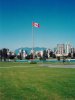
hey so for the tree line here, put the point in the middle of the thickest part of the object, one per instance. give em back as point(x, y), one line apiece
point(7, 55)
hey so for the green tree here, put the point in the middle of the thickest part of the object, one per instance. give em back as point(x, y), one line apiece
point(4, 54)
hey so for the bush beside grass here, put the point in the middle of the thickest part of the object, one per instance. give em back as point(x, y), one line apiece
point(33, 62)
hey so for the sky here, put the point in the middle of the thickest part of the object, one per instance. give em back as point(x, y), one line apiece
point(56, 19)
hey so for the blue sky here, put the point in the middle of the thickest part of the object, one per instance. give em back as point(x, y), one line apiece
point(56, 19)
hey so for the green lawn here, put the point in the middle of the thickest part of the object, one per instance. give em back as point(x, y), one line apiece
point(21, 81)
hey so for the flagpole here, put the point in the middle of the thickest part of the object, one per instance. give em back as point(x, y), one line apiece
point(33, 25)
point(32, 40)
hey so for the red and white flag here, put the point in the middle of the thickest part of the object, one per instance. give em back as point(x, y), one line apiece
point(35, 24)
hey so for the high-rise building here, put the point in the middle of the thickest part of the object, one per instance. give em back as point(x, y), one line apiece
point(63, 49)
point(72, 50)
point(68, 48)
point(60, 49)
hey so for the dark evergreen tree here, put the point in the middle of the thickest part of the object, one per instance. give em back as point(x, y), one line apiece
point(51, 54)
point(58, 58)
point(0, 55)
point(69, 54)
point(74, 55)
point(45, 56)
point(4, 54)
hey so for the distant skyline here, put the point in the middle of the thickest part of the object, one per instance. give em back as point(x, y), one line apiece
point(56, 19)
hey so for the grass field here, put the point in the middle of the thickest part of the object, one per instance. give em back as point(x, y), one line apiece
point(21, 81)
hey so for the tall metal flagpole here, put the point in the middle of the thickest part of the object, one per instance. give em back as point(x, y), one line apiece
point(32, 40)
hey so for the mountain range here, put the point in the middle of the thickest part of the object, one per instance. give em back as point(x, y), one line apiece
point(27, 49)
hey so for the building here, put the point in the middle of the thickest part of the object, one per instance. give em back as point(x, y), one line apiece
point(68, 49)
point(64, 49)
point(60, 49)
point(72, 50)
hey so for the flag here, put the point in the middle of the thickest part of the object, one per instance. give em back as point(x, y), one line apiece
point(35, 24)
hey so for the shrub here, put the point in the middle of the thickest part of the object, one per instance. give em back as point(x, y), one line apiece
point(33, 62)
